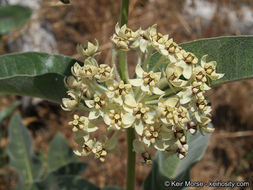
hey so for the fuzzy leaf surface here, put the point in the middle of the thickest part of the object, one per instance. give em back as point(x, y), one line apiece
point(21, 154)
point(35, 74)
point(13, 16)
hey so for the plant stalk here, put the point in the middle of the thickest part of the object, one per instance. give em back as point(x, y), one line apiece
point(130, 177)
point(122, 55)
point(130, 181)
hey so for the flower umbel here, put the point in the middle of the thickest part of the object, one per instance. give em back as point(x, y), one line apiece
point(163, 106)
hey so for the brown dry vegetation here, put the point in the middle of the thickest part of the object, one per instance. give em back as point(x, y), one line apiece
point(229, 155)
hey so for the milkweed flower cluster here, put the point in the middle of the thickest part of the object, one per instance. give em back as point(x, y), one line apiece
point(162, 105)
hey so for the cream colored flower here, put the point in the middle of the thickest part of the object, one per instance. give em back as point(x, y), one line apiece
point(147, 81)
point(201, 103)
point(72, 83)
point(139, 116)
point(158, 40)
point(97, 106)
point(173, 49)
point(99, 151)
point(182, 146)
point(121, 89)
point(140, 43)
point(69, 104)
point(78, 86)
point(88, 50)
point(172, 113)
point(191, 127)
point(85, 149)
point(82, 123)
point(204, 124)
point(120, 43)
point(188, 60)
point(173, 73)
point(114, 120)
point(210, 68)
point(105, 73)
point(89, 70)
point(129, 103)
point(190, 93)
point(118, 91)
point(161, 120)
point(157, 135)
point(168, 111)
point(75, 70)
point(182, 150)
point(123, 36)
point(125, 32)
point(199, 74)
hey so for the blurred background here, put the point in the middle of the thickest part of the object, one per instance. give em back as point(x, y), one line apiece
point(58, 28)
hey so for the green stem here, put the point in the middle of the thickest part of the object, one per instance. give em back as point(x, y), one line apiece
point(122, 55)
point(147, 57)
point(124, 12)
point(114, 58)
point(123, 66)
point(152, 102)
point(160, 62)
point(172, 90)
point(130, 181)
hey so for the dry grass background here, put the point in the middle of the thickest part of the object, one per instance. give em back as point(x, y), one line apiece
point(229, 155)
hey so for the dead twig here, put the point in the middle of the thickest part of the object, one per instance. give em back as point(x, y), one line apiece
point(224, 134)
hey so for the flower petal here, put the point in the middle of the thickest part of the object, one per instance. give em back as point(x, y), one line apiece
point(139, 127)
point(92, 129)
point(164, 120)
point(117, 28)
point(118, 100)
point(128, 119)
point(135, 82)
point(146, 141)
point(187, 71)
point(130, 101)
point(185, 100)
point(203, 60)
point(197, 116)
point(171, 102)
point(145, 88)
point(150, 119)
point(172, 59)
point(139, 71)
point(139, 147)
point(157, 91)
point(143, 45)
point(159, 145)
point(94, 114)
point(107, 119)
point(89, 103)
point(164, 51)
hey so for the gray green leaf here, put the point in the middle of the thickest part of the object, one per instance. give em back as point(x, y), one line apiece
point(112, 188)
point(74, 168)
point(13, 16)
point(65, 183)
point(59, 153)
point(20, 152)
point(35, 74)
point(233, 56)
point(7, 112)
